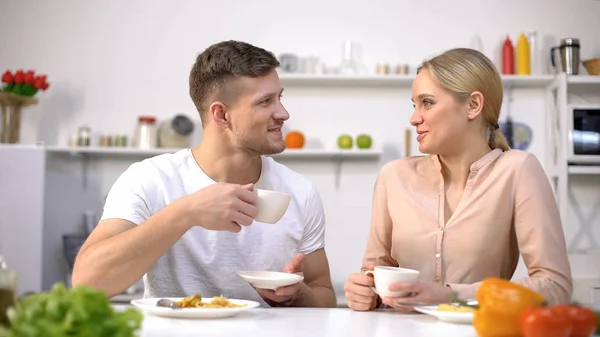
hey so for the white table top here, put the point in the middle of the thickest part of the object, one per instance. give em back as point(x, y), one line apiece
point(313, 322)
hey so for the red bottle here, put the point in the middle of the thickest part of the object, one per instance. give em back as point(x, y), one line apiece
point(508, 57)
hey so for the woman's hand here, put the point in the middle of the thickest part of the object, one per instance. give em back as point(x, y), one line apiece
point(423, 293)
point(359, 294)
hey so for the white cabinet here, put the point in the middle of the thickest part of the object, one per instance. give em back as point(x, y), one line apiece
point(563, 92)
point(22, 175)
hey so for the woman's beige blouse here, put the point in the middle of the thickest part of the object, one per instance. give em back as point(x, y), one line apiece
point(507, 206)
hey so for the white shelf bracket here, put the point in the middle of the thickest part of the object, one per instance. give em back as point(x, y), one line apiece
point(85, 170)
point(337, 173)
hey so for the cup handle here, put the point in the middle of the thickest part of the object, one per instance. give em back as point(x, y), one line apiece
point(370, 272)
point(552, 56)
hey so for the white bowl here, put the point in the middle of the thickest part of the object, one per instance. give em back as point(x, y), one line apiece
point(269, 279)
point(271, 205)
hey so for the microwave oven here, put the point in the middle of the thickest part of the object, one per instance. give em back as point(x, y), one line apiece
point(583, 129)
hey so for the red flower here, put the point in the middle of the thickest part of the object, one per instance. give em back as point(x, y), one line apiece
point(24, 83)
point(28, 78)
point(19, 77)
point(7, 77)
point(38, 82)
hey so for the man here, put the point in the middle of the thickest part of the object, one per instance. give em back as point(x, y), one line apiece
point(184, 221)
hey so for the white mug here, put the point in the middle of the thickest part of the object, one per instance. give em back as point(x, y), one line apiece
point(384, 276)
point(271, 205)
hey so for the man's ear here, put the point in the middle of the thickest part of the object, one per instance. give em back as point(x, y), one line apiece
point(475, 104)
point(218, 113)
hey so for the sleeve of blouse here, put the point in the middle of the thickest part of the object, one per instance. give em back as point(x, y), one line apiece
point(379, 242)
point(540, 238)
point(540, 235)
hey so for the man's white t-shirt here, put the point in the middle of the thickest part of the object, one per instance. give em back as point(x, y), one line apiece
point(204, 261)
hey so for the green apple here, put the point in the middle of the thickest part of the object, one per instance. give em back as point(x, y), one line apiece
point(345, 142)
point(364, 141)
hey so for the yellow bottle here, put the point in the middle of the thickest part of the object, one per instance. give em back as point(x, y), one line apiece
point(523, 61)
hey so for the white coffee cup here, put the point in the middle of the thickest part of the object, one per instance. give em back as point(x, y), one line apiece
point(384, 276)
point(271, 205)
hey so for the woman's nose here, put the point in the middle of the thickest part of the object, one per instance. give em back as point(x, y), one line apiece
point(415, 119)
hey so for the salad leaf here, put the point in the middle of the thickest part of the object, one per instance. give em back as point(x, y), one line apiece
point(77, 312)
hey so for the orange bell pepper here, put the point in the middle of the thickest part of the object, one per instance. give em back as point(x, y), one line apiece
point(500, 305)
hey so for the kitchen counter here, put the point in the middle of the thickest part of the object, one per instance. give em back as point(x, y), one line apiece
point(313, 322)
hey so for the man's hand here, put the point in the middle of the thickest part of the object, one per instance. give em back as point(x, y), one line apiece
point(285, 296)
point(221, 207)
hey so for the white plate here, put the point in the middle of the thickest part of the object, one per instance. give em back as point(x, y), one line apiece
point(149, 305)
point(270, 279)
point(447, 316)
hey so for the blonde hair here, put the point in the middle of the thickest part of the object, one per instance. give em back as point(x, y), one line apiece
point(462, 71)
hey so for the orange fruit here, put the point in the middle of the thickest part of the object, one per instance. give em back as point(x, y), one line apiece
point(294, 140)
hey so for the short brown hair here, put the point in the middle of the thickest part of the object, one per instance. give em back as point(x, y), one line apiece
point(223, 62)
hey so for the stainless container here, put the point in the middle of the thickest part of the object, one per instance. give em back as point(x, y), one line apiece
point(569, 55)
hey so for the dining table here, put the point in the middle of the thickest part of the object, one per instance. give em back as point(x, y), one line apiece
point(313, 322)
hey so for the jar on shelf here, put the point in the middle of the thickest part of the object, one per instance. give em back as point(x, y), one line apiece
point(145, 133)
point(176, 132)
point(8, 290)
point(351, 60)
point(84, 136)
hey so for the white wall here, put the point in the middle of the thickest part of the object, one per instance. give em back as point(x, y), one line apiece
point(109, 61)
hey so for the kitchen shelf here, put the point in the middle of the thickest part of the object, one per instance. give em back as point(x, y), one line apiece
point(372, 153)
point(347, 80)
point(308, 153)
point(584, 169)
point(583, 79)
point(338, 156)
point(529, 81)
point(514, 81)
point(109, 151)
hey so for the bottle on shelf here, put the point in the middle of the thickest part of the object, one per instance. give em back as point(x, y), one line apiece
point(508, 57)
point(146, 133)
point(351, 60)
point(523, 56)
point(536, 66)
point(476, 43)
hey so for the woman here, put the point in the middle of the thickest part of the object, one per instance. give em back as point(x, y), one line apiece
point(466, 210)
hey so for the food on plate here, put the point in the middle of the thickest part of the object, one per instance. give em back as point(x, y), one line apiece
point(80, 311)
point(501, 303)
point(217, 302)
point(454, 308)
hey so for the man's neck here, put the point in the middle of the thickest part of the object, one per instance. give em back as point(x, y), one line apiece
point(225, 164)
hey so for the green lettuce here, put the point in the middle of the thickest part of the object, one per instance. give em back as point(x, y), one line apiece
point(78, 312)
